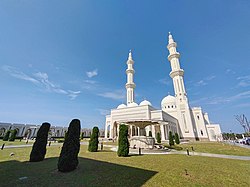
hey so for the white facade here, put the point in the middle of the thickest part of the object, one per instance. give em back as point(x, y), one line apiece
point(175, 114)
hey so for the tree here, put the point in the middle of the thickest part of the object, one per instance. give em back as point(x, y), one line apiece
point(6, 136)
point(176, 138)
point(170, 138)
point(93, 142)
point(12, 135)
point(65, 134)
point(242, 119)
point(82, 135)
point(150, 133)
point(68, 160)
point(38, 151)
point(123, 144)
point(158, 137)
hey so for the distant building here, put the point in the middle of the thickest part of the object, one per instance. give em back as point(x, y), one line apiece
point(175, 114)
point(29, 131)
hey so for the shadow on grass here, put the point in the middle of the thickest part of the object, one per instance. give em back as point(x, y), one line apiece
point(89, 173)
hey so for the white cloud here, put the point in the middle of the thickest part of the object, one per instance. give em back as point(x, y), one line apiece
point(244, 81)
point(93, 73)
point(204, 81)
point(73, 94)
point(229, 71)
point(222, 100)
point(103, 112)
point(40, 79)
point(115, 95)
point(18, 74)
point(90, 81)
point(201, 83)
point(210, 77)
point(165, 81)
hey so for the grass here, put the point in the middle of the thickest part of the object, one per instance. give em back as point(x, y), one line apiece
point(16, 142)
point(217, 148)
point(106, 169)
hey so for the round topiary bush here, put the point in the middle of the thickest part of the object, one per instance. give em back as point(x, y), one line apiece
point(39, 147)
point(158, 137)
point(123, 144)
point(170, 138)
point(68, 160)
point(12, 135)
point(176, 138)
point(93, 142)
point(6, 136)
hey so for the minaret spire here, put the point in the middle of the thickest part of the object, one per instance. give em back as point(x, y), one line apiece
point(130, 85)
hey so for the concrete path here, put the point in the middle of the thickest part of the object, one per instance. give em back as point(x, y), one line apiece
point(168, 152)
point(237, 144)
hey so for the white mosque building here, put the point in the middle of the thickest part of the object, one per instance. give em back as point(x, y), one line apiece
point(175, 114)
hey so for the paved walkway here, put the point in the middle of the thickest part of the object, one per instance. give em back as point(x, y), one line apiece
point(169, 152)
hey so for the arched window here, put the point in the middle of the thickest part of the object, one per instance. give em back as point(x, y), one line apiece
point(198, 117)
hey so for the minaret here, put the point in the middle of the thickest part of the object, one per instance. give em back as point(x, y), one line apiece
point(177, 73)
point(183, 109)
point(130, 85)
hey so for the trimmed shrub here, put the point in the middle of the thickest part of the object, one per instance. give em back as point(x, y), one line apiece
point(39, 147)
point(123, 144)
point(170, 138)
point(6, 136)
point(176, 138)
point(65, 135)
point(82, 135)
point(158, 137)
point(68, 160)
point(93, 142)
point(150, 133)
point(12, 135)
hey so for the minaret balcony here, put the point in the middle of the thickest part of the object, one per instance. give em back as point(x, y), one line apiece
point(175, 55)
point(171, 45)
point(179, 72)
point(130, 61)
point(130, 85)
point(130, 71)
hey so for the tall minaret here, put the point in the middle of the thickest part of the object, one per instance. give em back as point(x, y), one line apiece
point(183, 109)
point(177, 73)
point(130, 85)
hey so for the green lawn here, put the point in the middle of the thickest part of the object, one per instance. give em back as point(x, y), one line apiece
point(217, 148)
point(106, 169)
point(16, 142)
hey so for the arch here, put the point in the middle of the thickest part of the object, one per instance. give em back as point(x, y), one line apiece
point(115, 130)
point(27, 134)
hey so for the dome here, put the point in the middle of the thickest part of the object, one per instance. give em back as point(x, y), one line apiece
point(121, 106)
point(145, 102)
point(168, 99)
point(132, 104)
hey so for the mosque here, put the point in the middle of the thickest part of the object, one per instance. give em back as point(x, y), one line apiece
point(192, 124)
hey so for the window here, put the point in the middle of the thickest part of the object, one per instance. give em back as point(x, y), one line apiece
point(198, 117)
point(201, 132)
point(168, 106)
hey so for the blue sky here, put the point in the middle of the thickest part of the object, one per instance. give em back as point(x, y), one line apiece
point(67, 59)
